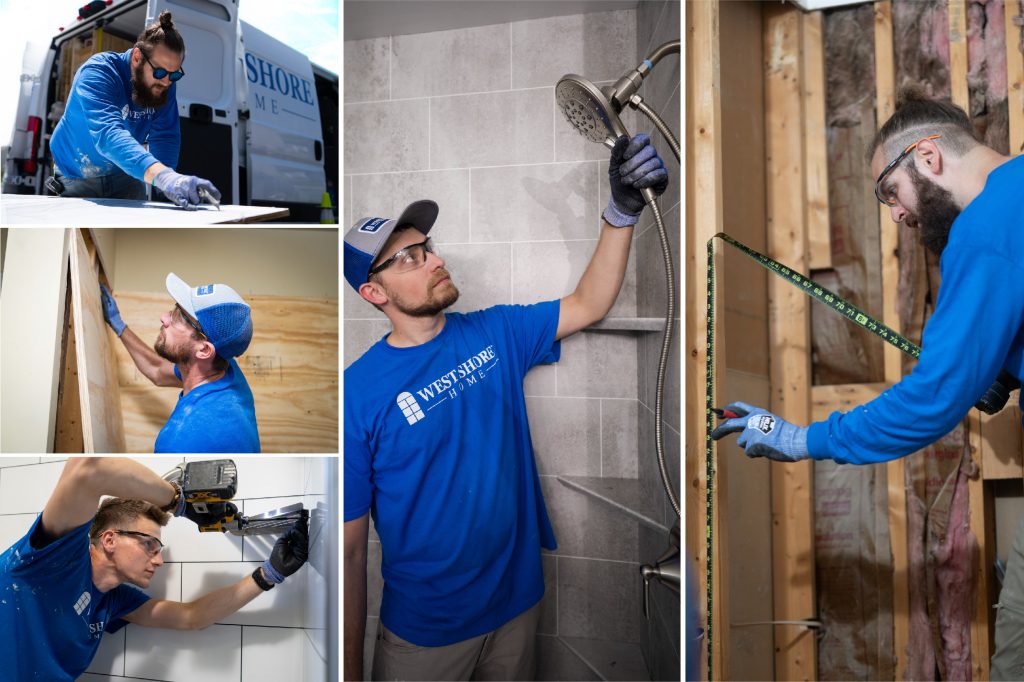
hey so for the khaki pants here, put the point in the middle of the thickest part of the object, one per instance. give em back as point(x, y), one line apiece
point(1008, 660)
point(508, 653)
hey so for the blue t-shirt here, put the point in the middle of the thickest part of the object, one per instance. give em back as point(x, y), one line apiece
point(976, 331)
point(437, 449)
point(216, 417)
point(103, 129)
point(51, 614)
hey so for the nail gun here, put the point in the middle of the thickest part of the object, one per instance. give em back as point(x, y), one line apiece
point(208, 488)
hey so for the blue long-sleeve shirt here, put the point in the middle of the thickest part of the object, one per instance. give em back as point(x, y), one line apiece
point(977, 330)
point(103, 129)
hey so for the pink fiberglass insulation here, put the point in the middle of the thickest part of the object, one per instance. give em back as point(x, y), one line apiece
point(920, 653)
point(953, 553)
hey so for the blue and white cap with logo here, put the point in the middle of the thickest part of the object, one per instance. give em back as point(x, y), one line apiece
point(222, 314)
point(367, 237)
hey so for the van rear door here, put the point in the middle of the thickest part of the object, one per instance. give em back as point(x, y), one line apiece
point(207, 95)
point(284, 146)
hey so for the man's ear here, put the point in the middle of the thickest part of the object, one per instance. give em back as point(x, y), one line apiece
point(136, 57)
point(107, 541)
point(374, 293)
point(206, 351)
point(929, 157)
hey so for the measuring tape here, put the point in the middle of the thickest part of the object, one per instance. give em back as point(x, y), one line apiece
point(818, 293)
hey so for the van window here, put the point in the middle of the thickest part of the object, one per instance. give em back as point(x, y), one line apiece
point(204, 54)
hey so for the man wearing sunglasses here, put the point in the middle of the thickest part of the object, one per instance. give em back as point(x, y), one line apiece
point(437, 444)
point(967, 200)
point(74, 575)
point(119, 131)
point(195, 350)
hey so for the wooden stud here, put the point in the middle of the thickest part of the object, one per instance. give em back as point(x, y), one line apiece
point(815, 144)
point(102, 426)
point(67, 437)
point(789, 332)
point(703, 220)
point(885, 98)
point(841, 397)
point(1014, 77)
point(957, 13)
point(1002, 443)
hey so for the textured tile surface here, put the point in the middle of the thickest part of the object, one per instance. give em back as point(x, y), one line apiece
point(566, 435)
point(599, 599)
point(598, 365)
point(530, 203)
point(587, 528)
point(598, 46)
point(482, 273)
point(386, 136)
point(366, 69)
point(619, 438)
point(451, 62)
point(177, 655)
point(491, 129)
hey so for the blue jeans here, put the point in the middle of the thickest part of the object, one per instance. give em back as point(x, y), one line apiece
point(117, 185)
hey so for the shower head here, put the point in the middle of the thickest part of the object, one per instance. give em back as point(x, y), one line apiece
point(588, 109)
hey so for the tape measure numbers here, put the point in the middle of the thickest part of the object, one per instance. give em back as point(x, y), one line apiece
point(818, 293)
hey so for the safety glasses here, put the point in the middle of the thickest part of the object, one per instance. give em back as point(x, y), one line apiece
point(409, 258)
point(160, 72)
point(151, 545)
point(180, 314)
point(888, 197)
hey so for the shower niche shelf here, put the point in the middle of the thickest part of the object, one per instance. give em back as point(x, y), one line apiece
point(622, 494)
point(629, 324)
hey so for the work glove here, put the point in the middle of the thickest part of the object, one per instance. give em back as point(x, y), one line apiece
point(183, 190)
point(290, 552)
point(762, 434)
point(110, 312)
point(634, 165)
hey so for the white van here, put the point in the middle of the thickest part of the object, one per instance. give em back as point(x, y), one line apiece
point(258, 119)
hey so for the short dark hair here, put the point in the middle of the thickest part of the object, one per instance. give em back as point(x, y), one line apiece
point(918, 116)
point(160, 32)
point(117, 511)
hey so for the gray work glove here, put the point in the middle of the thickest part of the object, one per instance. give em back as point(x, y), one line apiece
point(634, 165)
point(183, 190)
point(110, 312)
point(290, 552)
point(762, 434)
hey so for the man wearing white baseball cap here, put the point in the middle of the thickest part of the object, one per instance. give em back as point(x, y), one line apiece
point(200, 337)
point(438, 450)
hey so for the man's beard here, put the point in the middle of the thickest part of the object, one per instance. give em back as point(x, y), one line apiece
point(179, 356)
point(143, 96)
point(936, 211)
point(435, 303)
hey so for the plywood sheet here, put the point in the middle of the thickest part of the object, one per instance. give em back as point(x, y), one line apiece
point(291, 367)
point(102, 427)
point(20, 209)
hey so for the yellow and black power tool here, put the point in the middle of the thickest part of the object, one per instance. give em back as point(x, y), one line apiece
point(208, 488)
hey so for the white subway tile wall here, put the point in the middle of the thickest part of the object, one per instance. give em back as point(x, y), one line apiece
point(280, 635)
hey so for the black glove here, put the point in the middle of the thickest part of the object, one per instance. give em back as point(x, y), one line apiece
point(634, 165)
point(290, 552)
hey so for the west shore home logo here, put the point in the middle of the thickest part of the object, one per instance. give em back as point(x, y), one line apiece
point(449, 385)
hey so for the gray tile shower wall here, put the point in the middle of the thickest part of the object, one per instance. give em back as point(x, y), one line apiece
point(467, 117)
point(656, 23)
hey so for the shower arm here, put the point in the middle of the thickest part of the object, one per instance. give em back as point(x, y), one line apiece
point(629, 84)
